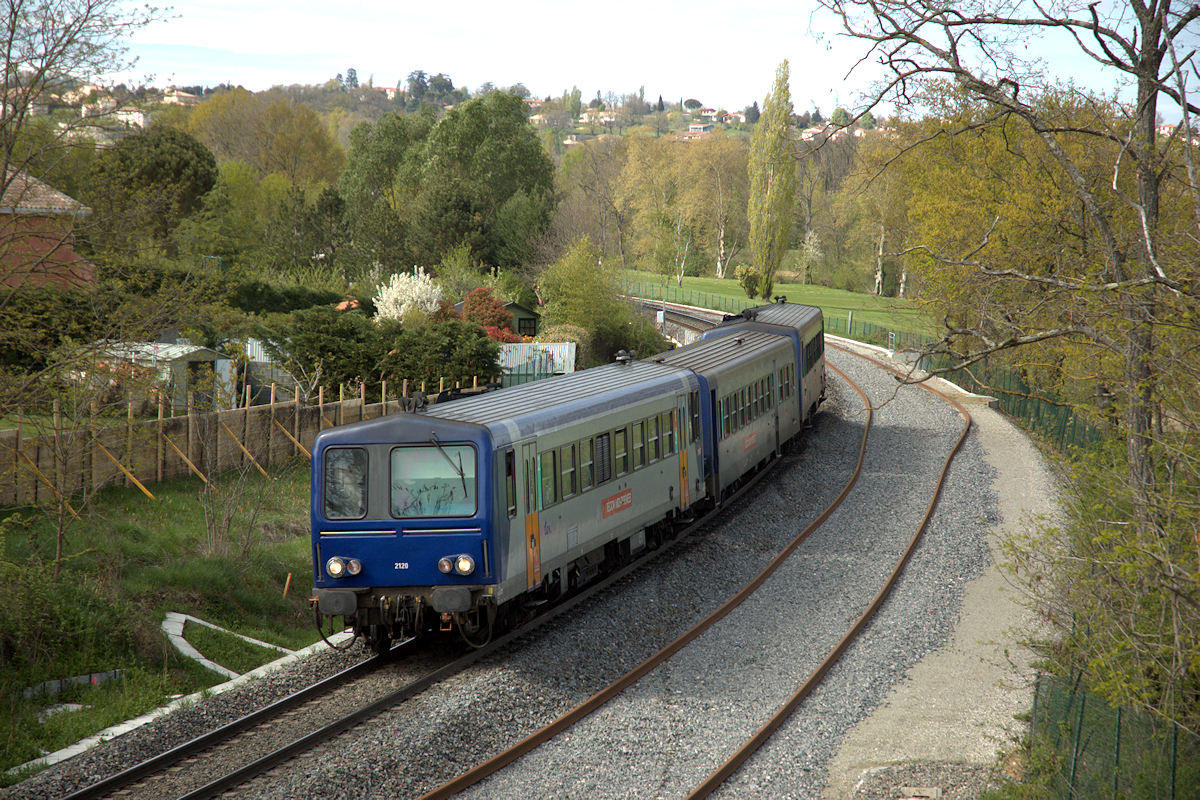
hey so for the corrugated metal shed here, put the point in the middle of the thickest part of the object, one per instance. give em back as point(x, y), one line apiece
point(514, 357)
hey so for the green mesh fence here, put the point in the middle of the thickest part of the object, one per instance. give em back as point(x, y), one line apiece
point(1055, 421)
point(1102, 752)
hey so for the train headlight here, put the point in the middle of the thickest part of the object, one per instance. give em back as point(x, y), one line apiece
point(353, 567)
point(335, 567)
point(446, 565)
point(464, 565)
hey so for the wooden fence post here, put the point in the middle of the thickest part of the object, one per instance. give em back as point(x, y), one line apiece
point(129, 435)
point(320, 408)
point(191, 426)
point(296, 418)
point(404, 389)
point(441, 385)
point(159, 453)
point(341, 415)
point(383, 395)
point(271, 429)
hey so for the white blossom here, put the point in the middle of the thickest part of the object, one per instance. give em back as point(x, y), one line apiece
point(407, 291)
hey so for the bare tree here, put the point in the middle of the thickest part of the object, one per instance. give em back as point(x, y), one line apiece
point(1124, 296)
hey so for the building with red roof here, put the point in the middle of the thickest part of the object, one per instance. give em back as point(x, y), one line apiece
point(37, 226)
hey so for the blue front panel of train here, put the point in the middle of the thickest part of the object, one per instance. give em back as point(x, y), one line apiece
point(399, 494)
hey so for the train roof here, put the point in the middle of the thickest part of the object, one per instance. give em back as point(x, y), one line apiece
point(793, 315)
point(711, 357)
point(511, 413)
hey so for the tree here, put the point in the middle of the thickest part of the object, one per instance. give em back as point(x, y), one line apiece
point(579, 290)
point(144, 186)
point(591, 176)
point(772, 168)
point(692, 104)
point(840, 118)
point(377, 183)
point(406, 292)
point(752, 112)
point(1119, 285)
point(718, 187)
point(351, 78)
point(475, 160)
point(486, 310)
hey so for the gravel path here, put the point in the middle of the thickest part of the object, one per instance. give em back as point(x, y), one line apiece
point(665, 735)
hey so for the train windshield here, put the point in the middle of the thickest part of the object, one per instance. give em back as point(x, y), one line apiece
point(345, 483)
point(434, 480)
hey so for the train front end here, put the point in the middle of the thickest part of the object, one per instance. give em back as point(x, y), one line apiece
point(402, 516)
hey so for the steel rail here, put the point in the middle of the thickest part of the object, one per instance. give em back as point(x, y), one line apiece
point(299, 746)
point(205, 741)
point(599, 699)
point(751, 745)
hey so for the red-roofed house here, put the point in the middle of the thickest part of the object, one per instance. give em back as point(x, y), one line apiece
point(36, 236)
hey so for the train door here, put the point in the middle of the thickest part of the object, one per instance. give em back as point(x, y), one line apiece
point(682, 438)
point(533, 543)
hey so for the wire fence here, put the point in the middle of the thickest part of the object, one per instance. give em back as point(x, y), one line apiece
point(1103, 752)
point(1058, 422)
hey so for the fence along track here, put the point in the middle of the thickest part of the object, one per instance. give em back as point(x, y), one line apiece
point(81, 456)
point(598, 700)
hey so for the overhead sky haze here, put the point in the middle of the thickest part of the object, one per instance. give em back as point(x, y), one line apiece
point(720, 53)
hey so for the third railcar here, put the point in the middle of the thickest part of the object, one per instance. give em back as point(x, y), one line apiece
point(449, 517)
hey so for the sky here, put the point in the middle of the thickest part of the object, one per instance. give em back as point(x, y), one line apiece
point(723, 54)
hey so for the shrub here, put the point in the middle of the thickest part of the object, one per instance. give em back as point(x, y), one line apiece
point(405, 292)
point(483, 307)
point(748, 278)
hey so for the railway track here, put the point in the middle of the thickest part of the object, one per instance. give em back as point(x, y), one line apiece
point(185, 760)
point(176, 773)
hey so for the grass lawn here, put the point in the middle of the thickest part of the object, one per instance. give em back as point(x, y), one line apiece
point(224, 558)
point(725, 294)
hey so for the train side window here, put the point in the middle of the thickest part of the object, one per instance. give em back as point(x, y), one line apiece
point(770, 391)
point(743, 405)
point(587, 465)
point(566, 460)
point(639, 444)
point(723, 415)
point(668, 433)
point(510, 482)
point(652, 442)
point(620, 451)
point(603, 458)
point(547, 480)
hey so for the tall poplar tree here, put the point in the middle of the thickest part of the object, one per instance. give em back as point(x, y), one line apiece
point(772, 182)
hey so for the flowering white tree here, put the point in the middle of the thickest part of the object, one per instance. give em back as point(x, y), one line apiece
point(405, 292)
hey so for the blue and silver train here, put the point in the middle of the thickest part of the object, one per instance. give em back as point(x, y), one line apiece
point(468, 513)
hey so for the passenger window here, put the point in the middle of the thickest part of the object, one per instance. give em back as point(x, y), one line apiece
point(744, 406)
point(547, 480)
point(620, 451)
point(567, 460)
point(770, 392)
point(603, 458)
point(652, 453)
point(510, 482)
point(587, 467)
point(639, 445)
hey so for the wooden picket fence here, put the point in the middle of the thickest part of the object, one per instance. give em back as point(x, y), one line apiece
point(57, 461)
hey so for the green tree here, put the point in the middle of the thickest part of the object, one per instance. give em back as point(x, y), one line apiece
point(772, 168)
point(840, 118)
point(579, 290)
point(143, 187)
point(752, 113)
point(376, 185)
point(478, 157)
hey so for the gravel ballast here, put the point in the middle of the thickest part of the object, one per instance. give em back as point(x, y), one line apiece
point(665, 735)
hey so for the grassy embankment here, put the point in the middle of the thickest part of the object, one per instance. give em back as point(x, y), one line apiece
point(724, 293)
point(129, 561)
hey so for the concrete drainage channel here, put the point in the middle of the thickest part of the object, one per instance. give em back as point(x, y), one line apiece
point(173, 626)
